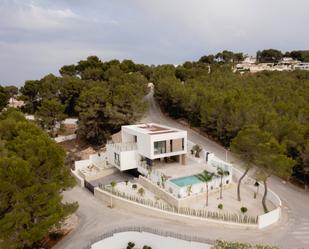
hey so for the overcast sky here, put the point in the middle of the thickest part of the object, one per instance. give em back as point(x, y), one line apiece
point(37, 37)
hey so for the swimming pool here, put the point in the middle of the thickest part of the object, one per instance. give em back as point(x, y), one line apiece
point(185, 181)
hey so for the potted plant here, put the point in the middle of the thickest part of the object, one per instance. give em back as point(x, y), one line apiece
point(197, 150)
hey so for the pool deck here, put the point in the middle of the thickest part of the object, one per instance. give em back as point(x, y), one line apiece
point(176, 170)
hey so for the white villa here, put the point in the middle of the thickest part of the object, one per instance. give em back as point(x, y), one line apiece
point(159, 153)
point(147, 142)
point(153, 165)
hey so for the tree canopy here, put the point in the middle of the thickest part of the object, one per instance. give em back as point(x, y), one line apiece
point(224, 103)
point(103, 95)
point(269, 55)
point(31, 178)
point(4, 97)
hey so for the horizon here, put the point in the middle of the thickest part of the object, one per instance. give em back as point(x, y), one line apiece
point(39, 37)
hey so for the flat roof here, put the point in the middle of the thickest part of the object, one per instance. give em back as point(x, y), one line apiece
point(153, 128)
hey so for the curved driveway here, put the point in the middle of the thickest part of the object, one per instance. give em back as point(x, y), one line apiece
point(95, 218)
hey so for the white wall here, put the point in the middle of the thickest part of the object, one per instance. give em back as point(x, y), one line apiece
point(270, 218)
point(120, 240)
point(128, 159)
point(165, 137)
point(61, 139)
point(145, 141)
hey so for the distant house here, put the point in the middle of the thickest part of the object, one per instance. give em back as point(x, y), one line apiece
point(285, 64)
point(70, 123)
point(15, 103)
point(30, 117)
point(302, 66)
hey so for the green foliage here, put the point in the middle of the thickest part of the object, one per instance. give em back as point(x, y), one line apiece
point(243, 210)
point(134, 186)
point(104, 95)
point(219, 244)
point(130, 245)
point(147, 247)
point(301, 55)
point(223, 104)
point(31, 178)
point(196, 149)
point(50, 112)
point(269, 55)
point(11, 90)
point(141, 191)
point(113, 184)
point(189, 190)
point(205, 177)
point(4, 97)
point(220, 206)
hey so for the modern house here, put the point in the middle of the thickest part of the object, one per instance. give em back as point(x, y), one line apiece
point(147, 143)
point(302, 66)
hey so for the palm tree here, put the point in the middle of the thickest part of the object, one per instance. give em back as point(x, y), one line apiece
point(113, 185)
point(189, 190)
point(221, 173)
point(206, 177)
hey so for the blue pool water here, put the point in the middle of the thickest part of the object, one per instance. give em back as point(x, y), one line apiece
point(185, 181)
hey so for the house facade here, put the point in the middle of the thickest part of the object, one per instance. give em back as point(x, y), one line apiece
point(147, 142)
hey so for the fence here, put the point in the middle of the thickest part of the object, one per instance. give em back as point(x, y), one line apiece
point(163, 233)
point(200, 213)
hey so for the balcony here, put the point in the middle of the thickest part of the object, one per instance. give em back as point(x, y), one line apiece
point(120, 147)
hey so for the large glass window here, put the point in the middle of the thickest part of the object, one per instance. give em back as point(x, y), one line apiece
point(117, 159)
point(159, 147)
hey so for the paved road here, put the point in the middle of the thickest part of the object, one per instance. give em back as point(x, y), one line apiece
point(95, 218)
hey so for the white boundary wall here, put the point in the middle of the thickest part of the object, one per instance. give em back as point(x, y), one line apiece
point(116, 200)
point(61, 139)
point(120, 240)
point(271, 217)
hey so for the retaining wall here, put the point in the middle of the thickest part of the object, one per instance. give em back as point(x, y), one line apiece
point(163, 194)
point(118, 201)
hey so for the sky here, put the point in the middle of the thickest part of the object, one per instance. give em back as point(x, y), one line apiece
point(37, 37)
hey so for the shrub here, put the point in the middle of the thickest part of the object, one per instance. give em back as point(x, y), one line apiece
point(141, 191)
point(113, 184)
point(243, 210)
point(220, 206)
point(197, 149)
point(55, 235)
point(146, 247)
point(130, 245)
point(134, 186)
